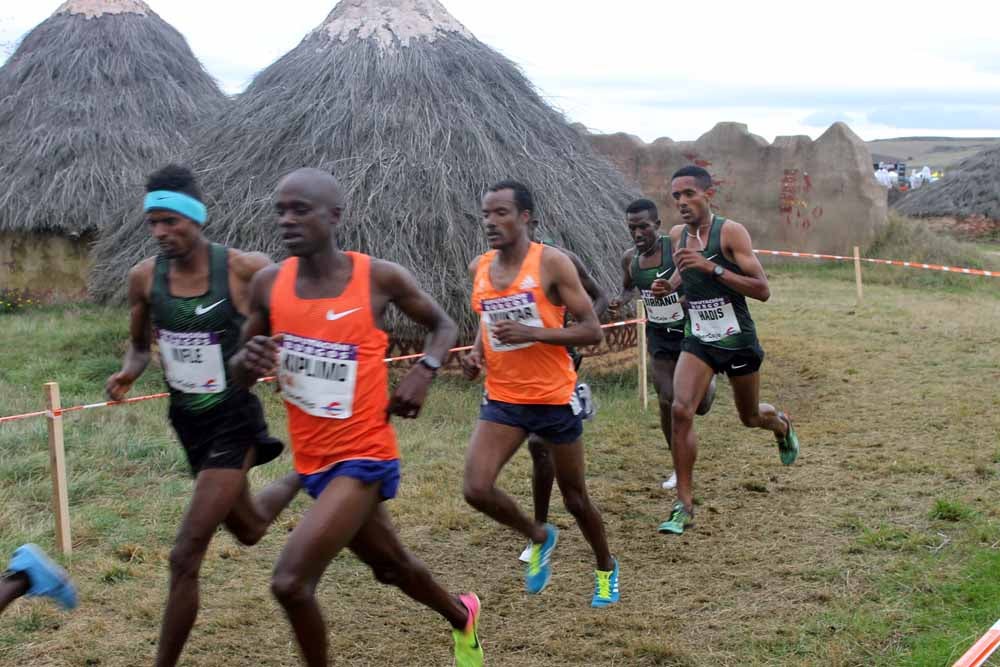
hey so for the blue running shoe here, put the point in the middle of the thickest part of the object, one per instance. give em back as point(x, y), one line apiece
point(536, 576)
point(605, 587)
point(46, 578)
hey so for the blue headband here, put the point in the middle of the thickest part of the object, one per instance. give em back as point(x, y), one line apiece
point(178, 202)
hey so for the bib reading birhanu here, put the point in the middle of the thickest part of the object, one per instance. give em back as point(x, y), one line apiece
point(663, 310)
point(318, 377)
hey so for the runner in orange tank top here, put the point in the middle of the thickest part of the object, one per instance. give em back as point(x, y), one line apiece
point(521, 291)
point(316, 321)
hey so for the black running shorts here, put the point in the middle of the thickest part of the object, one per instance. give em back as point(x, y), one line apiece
point(221, 436)
point(664, 343)
point(734, 363)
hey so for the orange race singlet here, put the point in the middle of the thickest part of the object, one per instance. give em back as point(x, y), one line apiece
point(332, 371)
point(524, 373)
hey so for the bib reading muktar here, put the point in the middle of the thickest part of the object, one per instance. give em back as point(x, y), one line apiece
point(196, 335)
point(332, 372)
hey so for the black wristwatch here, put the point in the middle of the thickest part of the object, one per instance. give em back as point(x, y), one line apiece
point(718, 271)
point(433, 364)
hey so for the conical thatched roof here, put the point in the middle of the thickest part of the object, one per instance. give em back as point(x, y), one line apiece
point(970, 188)
point(96, 96)
point(416, 117)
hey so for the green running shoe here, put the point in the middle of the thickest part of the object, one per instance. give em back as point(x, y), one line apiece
point(788, 447)
point(468, 650)
point(679, 519)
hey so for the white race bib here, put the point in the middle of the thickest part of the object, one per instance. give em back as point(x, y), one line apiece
point(713, 319)
point(518, 307)
point(318, 377)
point(663, 310)
point(192, 361)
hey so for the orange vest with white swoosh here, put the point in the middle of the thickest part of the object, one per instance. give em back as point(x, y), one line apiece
point(332, 371)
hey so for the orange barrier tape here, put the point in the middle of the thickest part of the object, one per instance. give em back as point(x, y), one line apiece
point(982, 649)
point(137, 399)
point(891, 262)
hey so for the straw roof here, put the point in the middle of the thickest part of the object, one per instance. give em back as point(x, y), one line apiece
point(416, 118)
point(971, 188)
point(95, 96)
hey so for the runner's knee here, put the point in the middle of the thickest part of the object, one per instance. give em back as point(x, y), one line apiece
point(247, 536)
point(682, 412)
point(290, 589)
point(477, 493)
point(539, 451)
point(576, 502)
point(186, 557)
point(397, 572)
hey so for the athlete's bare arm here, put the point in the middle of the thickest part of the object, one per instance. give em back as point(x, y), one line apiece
point(393, 283)
point(137, 354)
point(562, 285)
point(737, 248)
point(258, 355)
point(472, 362)
point(628, 287)
point(596, 294)
point(242, 267)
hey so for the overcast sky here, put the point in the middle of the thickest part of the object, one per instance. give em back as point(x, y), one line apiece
point(662, 68)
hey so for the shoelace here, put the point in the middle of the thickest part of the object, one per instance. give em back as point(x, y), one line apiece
point(603, 584)
point(535, 563)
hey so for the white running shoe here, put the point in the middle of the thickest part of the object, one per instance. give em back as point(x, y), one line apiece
point(525, 556)
point(672, 482)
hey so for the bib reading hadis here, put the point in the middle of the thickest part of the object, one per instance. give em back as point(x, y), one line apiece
point(192, 361)
point(713, 320)
point(318, 377)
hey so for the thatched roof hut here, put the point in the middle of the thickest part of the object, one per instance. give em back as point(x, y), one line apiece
point(971, 188)
point(416, 117)
point(95, 96)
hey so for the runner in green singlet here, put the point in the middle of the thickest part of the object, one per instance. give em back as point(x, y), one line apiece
point(718, 272)
point(193, 297)
point(648, 261)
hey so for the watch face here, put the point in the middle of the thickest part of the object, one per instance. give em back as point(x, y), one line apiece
point(718, 270)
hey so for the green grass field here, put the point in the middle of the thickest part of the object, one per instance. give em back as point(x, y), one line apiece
point(881, 546)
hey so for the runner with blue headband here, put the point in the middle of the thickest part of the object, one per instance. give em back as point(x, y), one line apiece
point(194, 297)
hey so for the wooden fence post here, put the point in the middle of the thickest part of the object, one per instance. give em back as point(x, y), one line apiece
point(857, 273)
point(640, 328)
point(57, 462)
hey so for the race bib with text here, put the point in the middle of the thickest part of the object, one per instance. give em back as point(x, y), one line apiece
point(318, 377)
point(663, 310)
point(713, 320)
point(192, 361)
point(517, 307)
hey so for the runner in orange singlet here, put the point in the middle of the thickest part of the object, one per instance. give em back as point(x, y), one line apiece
point(316, 320)
point(522, 291)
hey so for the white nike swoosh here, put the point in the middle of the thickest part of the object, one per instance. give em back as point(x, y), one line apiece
point(201, 310)
point(330, 315)
point(736, 368)
point(712, 257)
point(660, 275)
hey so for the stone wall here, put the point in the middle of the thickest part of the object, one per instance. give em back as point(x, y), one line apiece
point(51, 266)
point(794, 194)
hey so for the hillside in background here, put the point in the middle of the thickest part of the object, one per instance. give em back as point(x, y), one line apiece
point(935, 152)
